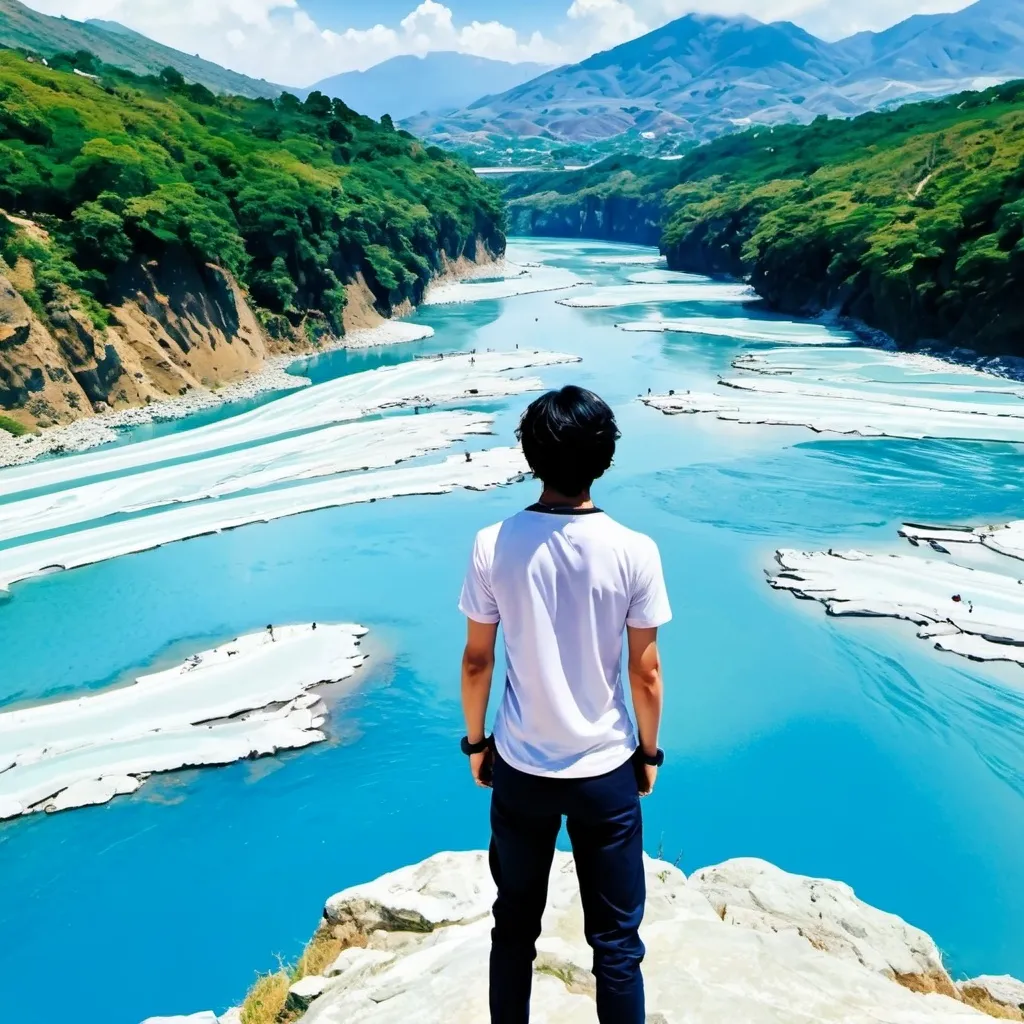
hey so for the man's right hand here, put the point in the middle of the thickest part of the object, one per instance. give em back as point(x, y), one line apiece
point(646, 776)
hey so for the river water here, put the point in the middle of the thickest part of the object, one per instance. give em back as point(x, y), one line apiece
point(839, 748)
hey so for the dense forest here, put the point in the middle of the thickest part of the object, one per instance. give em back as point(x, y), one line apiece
point(293, 198)
point(911, 220)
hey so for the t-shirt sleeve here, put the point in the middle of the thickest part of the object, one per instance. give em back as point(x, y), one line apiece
point(477, 600)
point(649, 606)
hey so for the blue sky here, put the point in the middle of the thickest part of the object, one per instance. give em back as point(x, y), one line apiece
point(299, 42)
point(524, 15)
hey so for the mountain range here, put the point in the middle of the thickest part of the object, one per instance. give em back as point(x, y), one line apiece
point(702, 75)
point(26, 29)
point(438, 82)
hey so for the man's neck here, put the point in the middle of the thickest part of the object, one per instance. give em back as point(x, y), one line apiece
point(553, 499)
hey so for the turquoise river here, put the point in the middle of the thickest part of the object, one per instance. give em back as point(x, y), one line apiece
point(835, 747)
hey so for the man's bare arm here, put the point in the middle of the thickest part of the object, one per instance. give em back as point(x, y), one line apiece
point(648, 692)
point(477, 672)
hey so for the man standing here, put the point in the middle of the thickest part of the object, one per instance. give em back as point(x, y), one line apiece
point(565, 581)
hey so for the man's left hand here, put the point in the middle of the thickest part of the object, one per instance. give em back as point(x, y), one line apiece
point(482, 767)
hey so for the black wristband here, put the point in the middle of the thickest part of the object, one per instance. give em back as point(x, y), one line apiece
point(475, 748)
point(655, 762)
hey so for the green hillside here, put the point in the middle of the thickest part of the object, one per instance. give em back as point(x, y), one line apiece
point(294, 198)
point(912, 220)
point(23, 28)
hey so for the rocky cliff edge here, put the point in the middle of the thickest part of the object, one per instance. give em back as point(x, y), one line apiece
point(742, 941)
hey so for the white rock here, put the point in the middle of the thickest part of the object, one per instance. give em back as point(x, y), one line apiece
point(448, 888)
point(232, 1016)
point(216, 707)
point(305, 990)
point(1000, 988)
point(699, 969)
point(758, 895)
point(490, 468)
point(358, 959)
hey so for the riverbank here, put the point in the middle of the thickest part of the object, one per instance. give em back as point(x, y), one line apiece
point(743, 940)
point(272, 376)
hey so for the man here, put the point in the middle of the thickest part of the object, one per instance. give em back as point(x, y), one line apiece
point(565, 581)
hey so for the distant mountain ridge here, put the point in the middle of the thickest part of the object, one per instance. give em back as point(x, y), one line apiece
point(440, 81)
point(703, 75)
point(23, 28)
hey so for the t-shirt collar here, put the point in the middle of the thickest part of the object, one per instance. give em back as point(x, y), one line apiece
point(562, 510)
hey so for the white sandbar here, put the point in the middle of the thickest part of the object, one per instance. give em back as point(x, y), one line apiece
point(640, 294)
point(417, 382)
point(487, 469)
point(909, 372)
point(667, 277)
point(968, 611)
point(1005, 538)
point(521, 281)
point(390, 332)
point(342, 448)
point(776, 402)
point(776, 331)
point(652, 260)
point(243, 699)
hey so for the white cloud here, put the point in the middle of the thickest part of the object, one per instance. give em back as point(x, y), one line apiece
point(829, 19)
point(278, 40)
point(608, 22)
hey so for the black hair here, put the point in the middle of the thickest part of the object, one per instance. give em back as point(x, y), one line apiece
point(568, 438)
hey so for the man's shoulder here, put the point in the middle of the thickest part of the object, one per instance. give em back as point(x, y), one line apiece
point(487, 537)
point(632, 541)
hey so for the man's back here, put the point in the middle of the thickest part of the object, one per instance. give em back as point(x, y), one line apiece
point(564, 584)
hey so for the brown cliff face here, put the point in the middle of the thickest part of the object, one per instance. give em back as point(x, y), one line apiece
point(174, 326)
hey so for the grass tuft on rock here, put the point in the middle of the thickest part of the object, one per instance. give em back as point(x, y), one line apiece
point(12, 426)
point(981, 1000)
point(267, 1001)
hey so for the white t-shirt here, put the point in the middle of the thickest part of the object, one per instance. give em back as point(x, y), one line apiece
point(564, 586)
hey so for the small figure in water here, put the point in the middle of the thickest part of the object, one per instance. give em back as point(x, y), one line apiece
point(314, 627)
point(956, 598)
point(517, 344)
point(469, 458)
point(671, 392)
point(648, 391)
point(472, 360)
point(270, 630)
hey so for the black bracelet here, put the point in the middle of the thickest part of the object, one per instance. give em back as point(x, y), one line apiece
point(475, 748)
point(655, 762)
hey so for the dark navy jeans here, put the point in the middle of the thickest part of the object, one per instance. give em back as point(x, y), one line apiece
point(603, 821)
